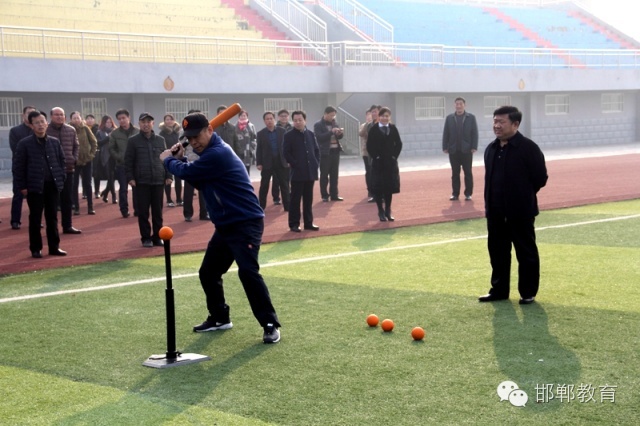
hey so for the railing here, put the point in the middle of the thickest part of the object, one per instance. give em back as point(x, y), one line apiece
point(296, 18)
point(82, 45)
point(361, 20)
point(351, 125)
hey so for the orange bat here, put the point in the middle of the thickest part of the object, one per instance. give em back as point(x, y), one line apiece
point(219, 119)
point(225, 115)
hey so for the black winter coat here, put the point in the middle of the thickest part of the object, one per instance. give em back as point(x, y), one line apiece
point(32, 160)
point(525, 173)
point(384, 151)
point(302, 153)
point(142, 160)
point(264, 154)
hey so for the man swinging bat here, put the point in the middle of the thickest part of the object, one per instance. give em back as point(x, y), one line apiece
point(239, 223)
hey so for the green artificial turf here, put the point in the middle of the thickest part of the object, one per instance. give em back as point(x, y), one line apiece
point(76, 358)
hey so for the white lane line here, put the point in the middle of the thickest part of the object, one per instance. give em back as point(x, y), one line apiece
point(304, 260)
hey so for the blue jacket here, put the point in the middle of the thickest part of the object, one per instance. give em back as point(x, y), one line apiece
point(302, 153)
point(30, 164)
point(223, 179)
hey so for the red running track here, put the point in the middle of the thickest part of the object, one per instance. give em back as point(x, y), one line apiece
point(423, 199)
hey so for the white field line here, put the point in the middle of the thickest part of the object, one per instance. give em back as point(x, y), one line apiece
point(304, 260)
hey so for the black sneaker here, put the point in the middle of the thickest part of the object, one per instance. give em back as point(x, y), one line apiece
point(210, 325)
point(271, 334)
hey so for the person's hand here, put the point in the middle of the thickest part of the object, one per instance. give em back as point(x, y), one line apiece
point(473, 151)
point(168, 181)
point(446, 151)
point(132, 183)
point(165, 154)
point(259, 167)
point(24, 192)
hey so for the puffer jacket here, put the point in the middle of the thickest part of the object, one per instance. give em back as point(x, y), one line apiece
point(118, 143)
point(68, 138)
point(171, 135)
point(30, 164)
point(88, 145)
point(142, 160)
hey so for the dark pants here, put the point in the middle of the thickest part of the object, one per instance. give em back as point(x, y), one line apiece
point(167, 190)
point(367, 174)
point(329, 166)
point(85, 173)
point(149, 197)
point(385, 198)
point(521, 232)
point(47, 202)
point(275, 187)
point(66, 202)
point(123, 191)
point(462, 160)
point(111, 186)
point(188, 202)
point(16, 205)
point(280, 177)
point(301, 190)
point(239, 242)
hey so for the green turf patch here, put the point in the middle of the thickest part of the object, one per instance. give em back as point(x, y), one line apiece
point(77, 358)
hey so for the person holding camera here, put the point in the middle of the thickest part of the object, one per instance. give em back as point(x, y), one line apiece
point(328, 135)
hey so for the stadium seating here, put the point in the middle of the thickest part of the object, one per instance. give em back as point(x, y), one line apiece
point(456, 24)
point(132, 24)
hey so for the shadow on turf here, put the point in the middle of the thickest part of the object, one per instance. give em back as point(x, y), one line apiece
point(376, 238)
point(528, 354)
point(169, 392)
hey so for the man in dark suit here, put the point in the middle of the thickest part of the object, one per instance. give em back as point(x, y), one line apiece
point(303, 155)
point(39, 173)
point(515, 171)
point(16, 134)
point(270, 160)
point(460, 141)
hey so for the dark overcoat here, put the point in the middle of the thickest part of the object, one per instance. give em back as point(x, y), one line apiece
point(384, 151)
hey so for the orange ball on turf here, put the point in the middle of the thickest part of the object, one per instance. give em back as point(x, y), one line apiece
point(387, 325)
point(165, 233)
point(417, 333)
point(372, 320)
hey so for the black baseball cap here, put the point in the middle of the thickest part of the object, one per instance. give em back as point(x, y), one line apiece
point(144, 116)
point(193, 124)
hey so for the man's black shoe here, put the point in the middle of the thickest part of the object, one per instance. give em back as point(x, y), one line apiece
point(454, 198)
point(271, 334)
point(91, 212)
point(57, 252)
point(125, 215)
point(312, 227)
point(294, 229)
point(276, 202)
point(36, 254)
point(158, 243)
point(188, 219)
point(71, 230)
point(76, 212)
point(527, 301)
point(15, 225)
point(491, 298)
point(371, 200)
point(337, 199)
point(210, 325)
point(325, 199)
